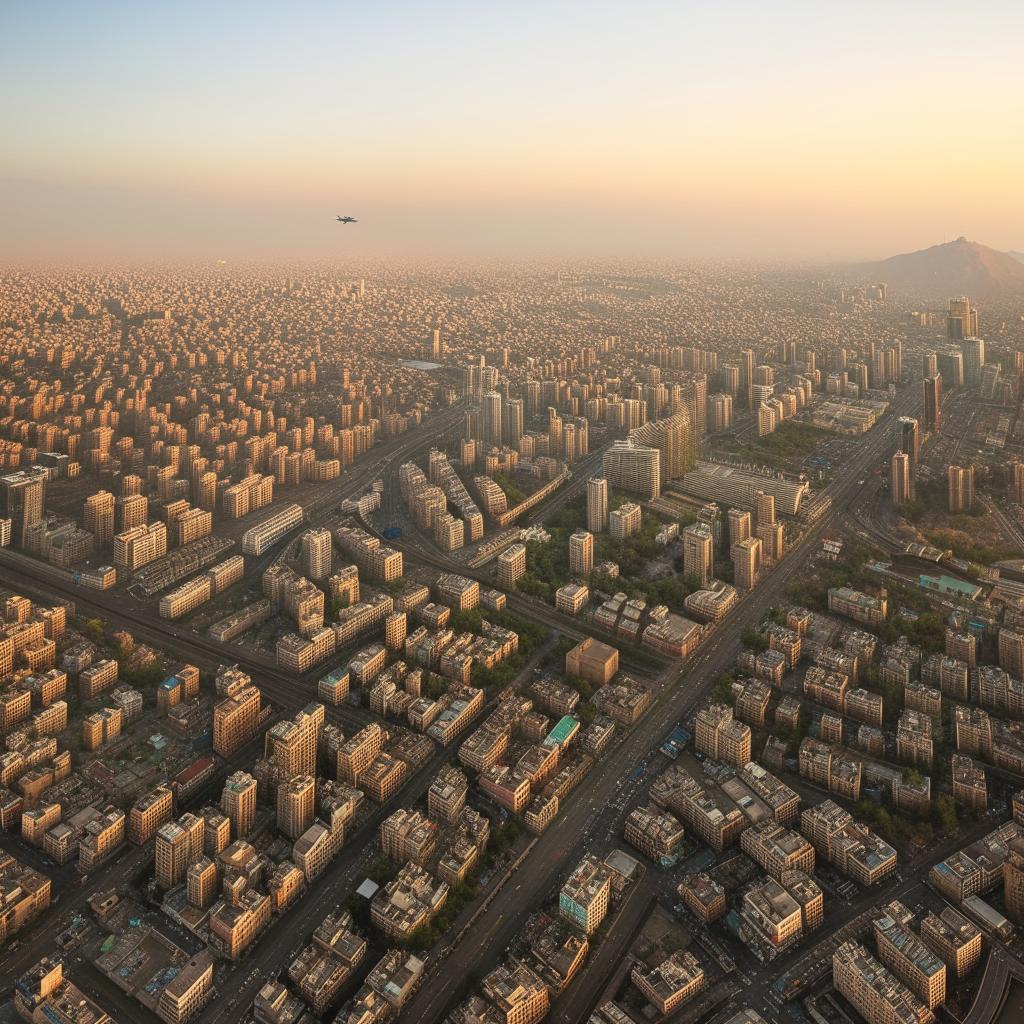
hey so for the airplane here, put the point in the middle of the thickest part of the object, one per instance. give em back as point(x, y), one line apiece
point(347, 220)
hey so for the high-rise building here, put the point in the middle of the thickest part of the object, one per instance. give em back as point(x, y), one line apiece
point(901, 484)
point(721, 411)
point(747, 375)
point(204, 491)
point(22, 500)
point(201, 883)
point(396, 628)
point(951, 367)
point(148, 813)
point(698, 553)
point(746, 561)
point(633, 468)
point(961, 319)
point(512, 421)
point(139, 546)
point(132, 511)
point(581, 553)
point(236, 721)
point(960, 488)
point(974, 359)
point(873, 991)
point(172, 855)
point(99, 517)
point(585, 896)
point(720, 736)
point(296, 800)
point(692, 391)
point(1013, 881)
point(933, 403)
point(711, 515)
point(765, 508)
point(908, 438)
point(292, 744)
point(556, 443)
point(357, 753)
point(216, 831)
point(1018, 482)
point(131, 485)
point(238, 802)
point(624, 521)
point(491, 408)
point(675, 438)
point(772, 538)
point(511, 565)
point(597, 504)
point(316, 553)
point(739, 525)
point(1011, 651)
point(954, 939)
point(768, 418)
point(908, 957)
point(449, 532)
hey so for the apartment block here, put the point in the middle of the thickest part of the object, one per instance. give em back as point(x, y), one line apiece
point(877, 995)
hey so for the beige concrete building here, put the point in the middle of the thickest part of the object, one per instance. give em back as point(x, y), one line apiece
point(296, 805)
point(878, 996)
point(593, 661)
point(670, 984)
point(721, 737)
point(954, 939)
point(236, 721)
point(584, 898)
point(238, 802)
point(581, 554)
point(908, 957)
point(148, 813)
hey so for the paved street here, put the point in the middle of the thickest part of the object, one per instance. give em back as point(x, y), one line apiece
point(681, 690)
point(678, 690)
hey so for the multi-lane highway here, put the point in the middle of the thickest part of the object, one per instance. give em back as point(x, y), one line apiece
point(339, 880)
point(678, 692)
point(282, 688)
point(143, 621)
point(286, 691)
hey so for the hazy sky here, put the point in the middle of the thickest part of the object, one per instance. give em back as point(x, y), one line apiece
point(559, 128)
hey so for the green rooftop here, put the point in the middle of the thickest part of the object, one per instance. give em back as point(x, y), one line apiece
point(563, 731)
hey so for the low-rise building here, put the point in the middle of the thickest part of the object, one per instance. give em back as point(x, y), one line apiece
point(584, 898)
point(671, 983)
point(656, 834)
point(516, 993)
point(704, 896)
point(777, 849)
point(235, 926)
point(408, 901)
point(910, 959)
point(954, 939)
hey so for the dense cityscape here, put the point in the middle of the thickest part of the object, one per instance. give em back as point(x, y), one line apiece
point(511, 513)
point(570, 643)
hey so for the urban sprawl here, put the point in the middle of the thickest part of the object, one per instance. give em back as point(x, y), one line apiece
point(600, 645)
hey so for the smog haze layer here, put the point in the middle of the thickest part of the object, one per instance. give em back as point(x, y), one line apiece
point(670, 130)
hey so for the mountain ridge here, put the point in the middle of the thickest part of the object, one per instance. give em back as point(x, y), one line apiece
point(958, 267)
